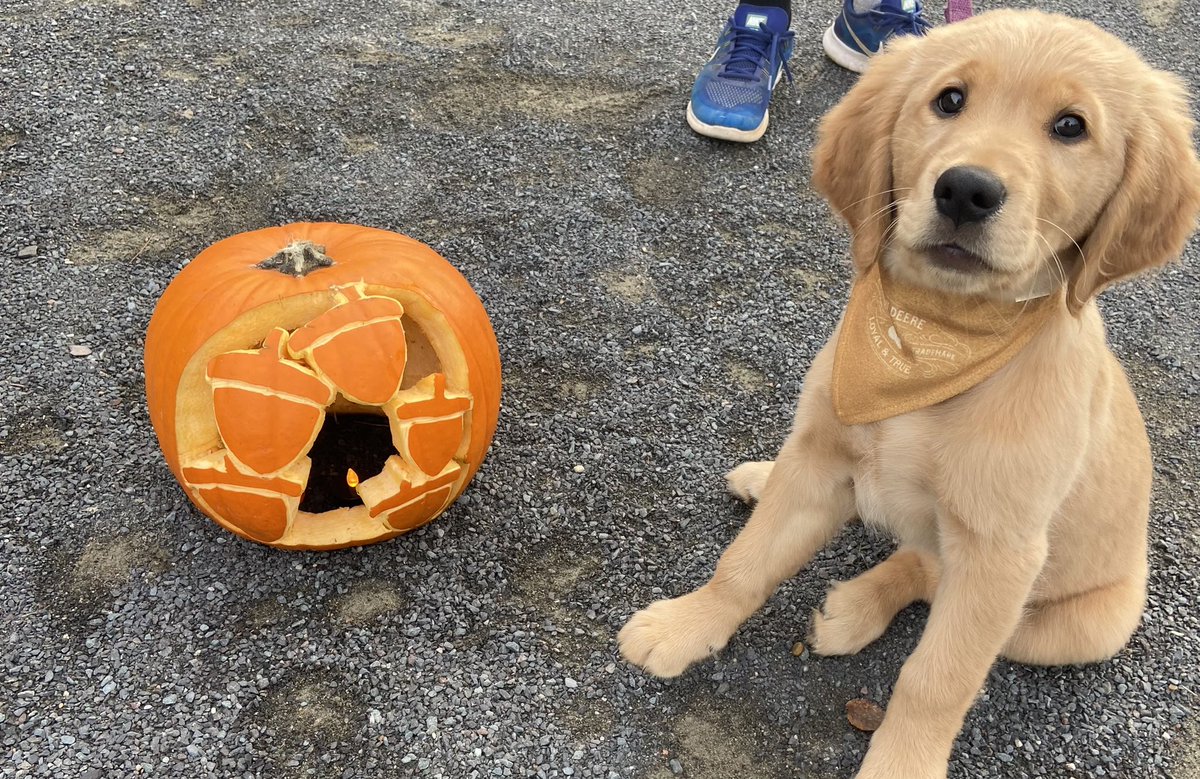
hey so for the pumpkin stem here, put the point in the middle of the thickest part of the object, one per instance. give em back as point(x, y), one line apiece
point(298, 259)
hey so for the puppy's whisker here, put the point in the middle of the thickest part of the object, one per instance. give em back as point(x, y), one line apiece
point(1060, 271)
point(1064, 232)
point(877, 194)
point(881, 211)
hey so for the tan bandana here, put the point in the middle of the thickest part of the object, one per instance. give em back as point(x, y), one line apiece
point(903, 347)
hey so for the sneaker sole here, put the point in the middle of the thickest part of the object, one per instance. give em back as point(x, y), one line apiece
point(727, 133)
point(843, 55)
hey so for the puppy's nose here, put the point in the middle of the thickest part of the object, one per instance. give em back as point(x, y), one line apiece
point(968, 194)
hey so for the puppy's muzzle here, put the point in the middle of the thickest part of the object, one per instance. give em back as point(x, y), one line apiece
point(967, 194)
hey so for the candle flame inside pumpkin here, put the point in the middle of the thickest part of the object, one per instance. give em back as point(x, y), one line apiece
point(351, 478)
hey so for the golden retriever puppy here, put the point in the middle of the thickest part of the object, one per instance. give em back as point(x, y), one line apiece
point(1007, 167)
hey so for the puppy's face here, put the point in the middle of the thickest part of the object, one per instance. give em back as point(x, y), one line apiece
point(1001, 165)
point(1012, 154)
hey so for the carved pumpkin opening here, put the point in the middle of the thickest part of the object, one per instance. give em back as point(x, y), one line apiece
point(359, 442)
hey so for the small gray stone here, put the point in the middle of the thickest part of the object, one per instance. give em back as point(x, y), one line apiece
point(28, 252)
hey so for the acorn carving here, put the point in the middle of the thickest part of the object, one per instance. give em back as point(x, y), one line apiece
point(403, 497)
point(427, 423)
point(358, 345)
point(259, 507)
point(286, 399)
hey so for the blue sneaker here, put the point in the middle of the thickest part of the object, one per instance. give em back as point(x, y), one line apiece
point(853, 37)
point(733, 90)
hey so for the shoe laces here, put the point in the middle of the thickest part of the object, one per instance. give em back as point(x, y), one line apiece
point(902, 22)
point(750, 46)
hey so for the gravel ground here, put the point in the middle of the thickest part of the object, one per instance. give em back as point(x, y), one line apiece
point(657, 297)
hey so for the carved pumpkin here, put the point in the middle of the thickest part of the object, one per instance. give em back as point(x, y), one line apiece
point(268, 335)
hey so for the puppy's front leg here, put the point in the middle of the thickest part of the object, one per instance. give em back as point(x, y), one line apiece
point(806, 500)
point(986, 579)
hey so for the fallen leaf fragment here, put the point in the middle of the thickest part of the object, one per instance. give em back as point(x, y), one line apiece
point(864, 715)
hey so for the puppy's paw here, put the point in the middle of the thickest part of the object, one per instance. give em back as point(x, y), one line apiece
point(669, 635)
point(748, 480)
point(851, 618)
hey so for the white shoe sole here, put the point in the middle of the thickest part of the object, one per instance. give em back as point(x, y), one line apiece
point(842, 54)
point(727, 133)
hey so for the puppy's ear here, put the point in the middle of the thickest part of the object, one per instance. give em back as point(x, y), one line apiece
point(1154, 210)
point(852, 161)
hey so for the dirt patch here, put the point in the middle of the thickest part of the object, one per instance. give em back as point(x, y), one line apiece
point(631, 286)
point(74, 588)
point(484, 97)
point(664, 182)
point(551, 587)
point(1159, 12)
point(304, 716)
point(312, 710)
point(173, 226)
point(367, 601)
point(723, 744)
point(263, 614)
point(455, 35)
point(121, 246)
point(370, 53)
point(292, 21)
point(110, 562)
point(748, 378)
point(360, 144)
point(1186, 751)
point(811, 282)
point(39, 432)
point(552, 576)
point(581, 389)
point(180, 74)
point(591, 720)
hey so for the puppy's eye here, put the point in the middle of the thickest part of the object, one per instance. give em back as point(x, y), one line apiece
point(950, 101)
point(1069, 127)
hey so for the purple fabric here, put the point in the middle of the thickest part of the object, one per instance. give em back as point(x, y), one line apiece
point(957, 10)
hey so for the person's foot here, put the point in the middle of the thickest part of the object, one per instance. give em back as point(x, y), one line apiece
point(853, 37)
point(732, 93)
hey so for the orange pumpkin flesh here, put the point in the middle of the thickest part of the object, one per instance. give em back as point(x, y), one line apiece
point(286, 399)
point(359, 345)
point(265, 332)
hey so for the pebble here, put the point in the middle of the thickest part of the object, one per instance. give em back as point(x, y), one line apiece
point(27, 252)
